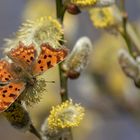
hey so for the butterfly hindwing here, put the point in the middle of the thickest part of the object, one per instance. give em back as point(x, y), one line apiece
point(48, 58)
point(5, 74)
point(9, 93)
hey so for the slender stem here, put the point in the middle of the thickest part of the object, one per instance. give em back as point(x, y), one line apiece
point(128, 33)
point(58, 8)
point(133, 35)
point(60, 12)
point(124, 25)
point(35, 132)
point(63, 84)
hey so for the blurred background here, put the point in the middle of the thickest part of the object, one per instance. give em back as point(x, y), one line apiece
point(111, 100)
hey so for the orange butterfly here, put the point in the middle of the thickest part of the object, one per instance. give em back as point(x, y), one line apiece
point(22, 72)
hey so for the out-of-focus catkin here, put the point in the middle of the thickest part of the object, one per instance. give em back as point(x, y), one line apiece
point(78, 58)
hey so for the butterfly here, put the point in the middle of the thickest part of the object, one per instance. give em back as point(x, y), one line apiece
point(22, 72)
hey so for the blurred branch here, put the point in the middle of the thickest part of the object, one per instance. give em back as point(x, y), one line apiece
point(128, 33)
point(133, 35)
point(35, 132)
point(60, 12)
point(63, 78)
point(124, 24)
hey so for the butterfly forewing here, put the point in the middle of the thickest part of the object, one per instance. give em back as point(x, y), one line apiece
point(9, 93)
point(23, 55)
point(48, 58)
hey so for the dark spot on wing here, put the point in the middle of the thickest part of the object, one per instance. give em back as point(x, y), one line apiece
point(4, 91)
point(12, 95)
point(27, 60)
point(3, 95)
point(31, 58)
point(6, 79)
point(39, 61)
point(16, 89)
point(41, 67)
point(45, 56)
point(10, 86)
point(49, 63)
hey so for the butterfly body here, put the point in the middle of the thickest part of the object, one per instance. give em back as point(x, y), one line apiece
point(24, 75)
point(21, 74)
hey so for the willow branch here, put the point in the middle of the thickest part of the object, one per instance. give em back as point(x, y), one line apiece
point(124, 25)
point(34, 131)
point(133, 35)
point(60, 12)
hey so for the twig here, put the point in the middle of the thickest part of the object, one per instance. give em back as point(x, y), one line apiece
point(60, 12)
point(63, 84)
point(133, 35)
point(35, 132)
point(63, 78)
point(124, 24)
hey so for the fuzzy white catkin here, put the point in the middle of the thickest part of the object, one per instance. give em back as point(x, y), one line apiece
point(79, 57)
point(128, 64)
point(84, 45)
point(103, 3)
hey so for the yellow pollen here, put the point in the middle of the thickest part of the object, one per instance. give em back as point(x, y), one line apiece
point(65, 115)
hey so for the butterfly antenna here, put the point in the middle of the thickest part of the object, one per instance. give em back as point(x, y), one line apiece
point(50, 81)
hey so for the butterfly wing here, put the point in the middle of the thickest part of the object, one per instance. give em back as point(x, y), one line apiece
point(23, 55)
point(9, 93)
point(48, 58)
point(5, 74)
point(9, 89)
